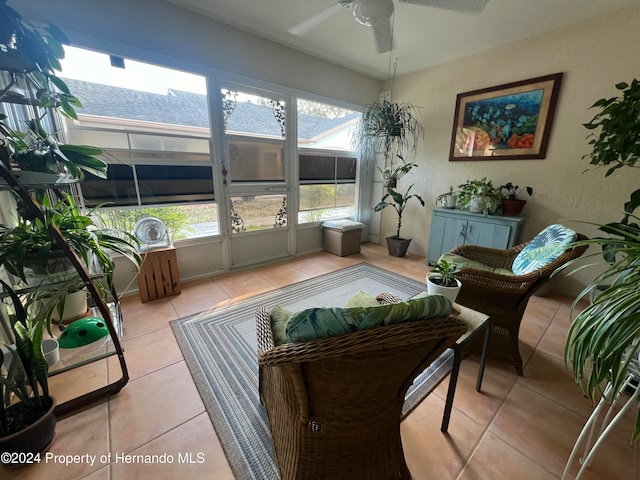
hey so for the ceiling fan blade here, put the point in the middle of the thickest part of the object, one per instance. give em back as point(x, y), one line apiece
point(316, 20)
point(466, 6)
point(383, 36)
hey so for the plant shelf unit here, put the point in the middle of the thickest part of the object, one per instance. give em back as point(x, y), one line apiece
point(109, 311)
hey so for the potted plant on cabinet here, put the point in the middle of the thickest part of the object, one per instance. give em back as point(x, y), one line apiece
point(479, 196)
point(603, 340)
point(447, 199)
point(511, 204)
point(442, 280)
point(28, 426)
point(396, 245)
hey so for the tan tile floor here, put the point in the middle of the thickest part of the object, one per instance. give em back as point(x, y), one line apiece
point(517, 428)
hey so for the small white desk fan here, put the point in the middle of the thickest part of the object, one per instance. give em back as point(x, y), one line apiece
point(152, 233)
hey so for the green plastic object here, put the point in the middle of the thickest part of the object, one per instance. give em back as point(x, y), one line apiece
point(83, 332)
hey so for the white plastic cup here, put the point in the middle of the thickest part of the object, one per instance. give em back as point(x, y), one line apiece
point(51, 351)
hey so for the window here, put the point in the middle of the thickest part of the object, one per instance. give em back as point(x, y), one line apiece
point(327, 187)
point(256, 160)
point(153, 124)
point(326, 166)
point(255, 135)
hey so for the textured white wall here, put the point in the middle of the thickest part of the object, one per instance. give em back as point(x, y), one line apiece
point(594, 56)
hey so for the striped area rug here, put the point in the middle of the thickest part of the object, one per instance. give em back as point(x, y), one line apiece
point(220, 346)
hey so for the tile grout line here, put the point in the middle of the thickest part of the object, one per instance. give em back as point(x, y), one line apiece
point(486, 431)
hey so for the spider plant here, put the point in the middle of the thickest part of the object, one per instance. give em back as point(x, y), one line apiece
point(30, 244)
point(603, 338)
point(387, 126)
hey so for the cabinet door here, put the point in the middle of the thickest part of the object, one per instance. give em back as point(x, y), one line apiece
point(487, 234)
point(446, 233)
point(455, 232)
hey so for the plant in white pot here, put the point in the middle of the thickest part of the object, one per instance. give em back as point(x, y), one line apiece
point(447, 199)
point(30, 253)
point(479, 196)
point(441, 280)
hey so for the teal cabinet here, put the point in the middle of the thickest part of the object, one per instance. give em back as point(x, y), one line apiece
point(451, 228)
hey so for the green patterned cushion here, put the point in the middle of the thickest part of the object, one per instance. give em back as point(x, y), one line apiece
point(328, 322)
point(362, 299)
point(279, 318)
point(467, 263)
point(546, 247)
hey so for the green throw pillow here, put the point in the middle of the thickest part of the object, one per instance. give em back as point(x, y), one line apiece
point(362, 299)
point(323, 322)
point(467, 263)
point(279, 318)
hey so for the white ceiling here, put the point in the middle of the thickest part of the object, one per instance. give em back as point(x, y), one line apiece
point(423, 36)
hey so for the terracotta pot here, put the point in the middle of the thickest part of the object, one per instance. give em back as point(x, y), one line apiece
point(513, 207)
point(33, 439)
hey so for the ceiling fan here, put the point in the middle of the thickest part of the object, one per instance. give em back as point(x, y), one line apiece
point(377, 14)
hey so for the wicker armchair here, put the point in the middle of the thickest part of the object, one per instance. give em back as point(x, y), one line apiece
point(334, 405)
point(504, 298)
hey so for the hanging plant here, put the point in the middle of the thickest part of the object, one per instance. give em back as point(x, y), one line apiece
point(390, 129)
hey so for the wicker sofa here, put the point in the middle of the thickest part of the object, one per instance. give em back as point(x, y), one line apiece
point(334, 404)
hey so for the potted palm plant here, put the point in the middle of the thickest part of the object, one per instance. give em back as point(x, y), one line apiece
point(28, 426)
point(396, 245)
point(604, 337)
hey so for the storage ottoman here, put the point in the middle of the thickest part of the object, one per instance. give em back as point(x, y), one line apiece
point(342, 237)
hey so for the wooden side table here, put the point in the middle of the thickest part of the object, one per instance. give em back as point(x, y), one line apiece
point(477, 324)
point(159, 276)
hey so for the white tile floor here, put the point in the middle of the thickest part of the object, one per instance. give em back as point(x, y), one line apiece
point(517, 428)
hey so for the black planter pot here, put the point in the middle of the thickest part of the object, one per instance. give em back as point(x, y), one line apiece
point(397, 246)
point(33, 439)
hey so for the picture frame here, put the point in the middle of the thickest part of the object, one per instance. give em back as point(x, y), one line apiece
point(507, 122)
